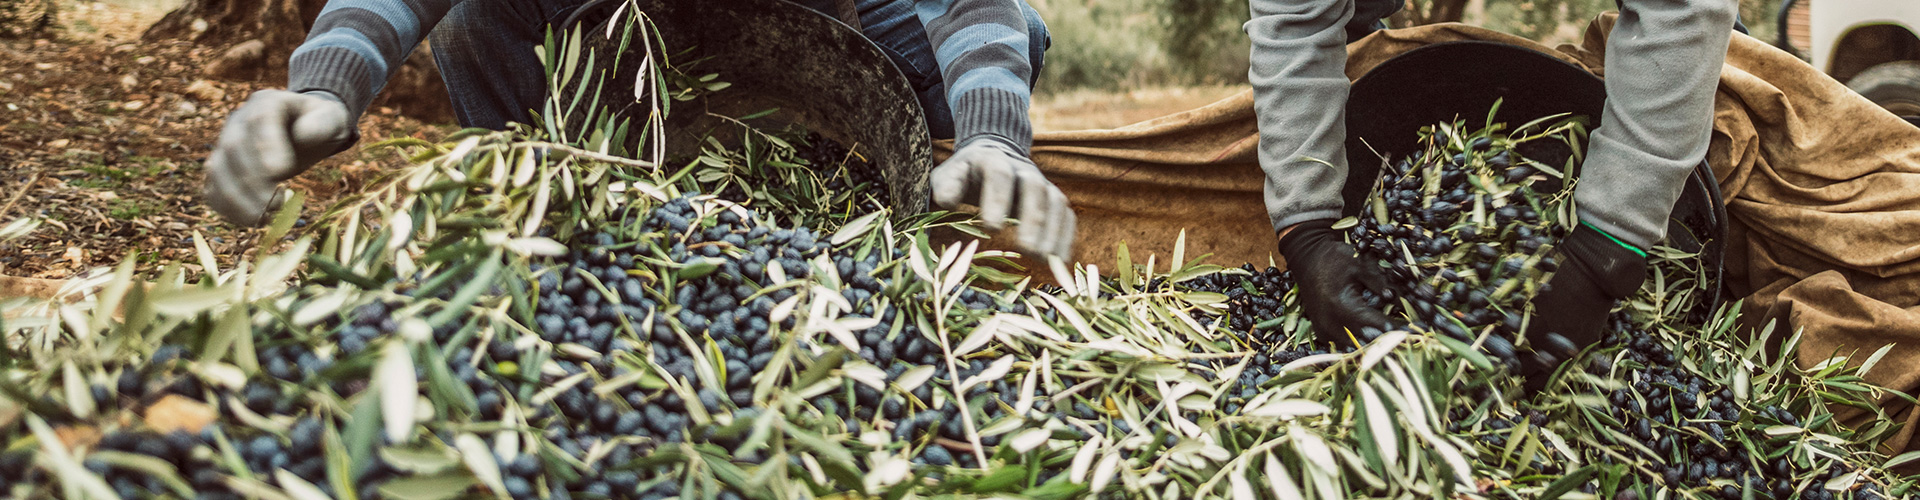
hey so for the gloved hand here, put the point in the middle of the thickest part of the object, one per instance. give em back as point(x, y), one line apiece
point(275, 136)
point(1595, 271)
point(993, 176)
point(1330, 275)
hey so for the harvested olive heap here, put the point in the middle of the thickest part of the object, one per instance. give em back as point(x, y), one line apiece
point(521, 315)
point(1465, 230)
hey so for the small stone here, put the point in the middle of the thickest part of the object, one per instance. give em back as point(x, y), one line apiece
point(242, 61)
point(206, 91)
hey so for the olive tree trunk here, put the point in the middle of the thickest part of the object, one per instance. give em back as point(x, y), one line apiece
point(25, 18)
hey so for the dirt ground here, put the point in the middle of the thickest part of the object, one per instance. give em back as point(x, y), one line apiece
point(102, 137)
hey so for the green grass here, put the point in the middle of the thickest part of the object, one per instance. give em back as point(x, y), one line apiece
point(132, 208)
point(93, 183)
point(331, 175)
point(103, 176)
point(146, 258)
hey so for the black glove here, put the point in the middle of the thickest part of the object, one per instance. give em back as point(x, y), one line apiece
point(1568, 315)
point(1330, 275)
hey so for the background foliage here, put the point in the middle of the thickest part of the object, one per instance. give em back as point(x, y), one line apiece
point(1127, 44)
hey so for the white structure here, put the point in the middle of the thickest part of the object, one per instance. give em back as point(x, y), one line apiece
point(1872, 45)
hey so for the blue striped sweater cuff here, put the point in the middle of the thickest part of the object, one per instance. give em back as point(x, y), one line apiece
point(993, 113)
point(337, 70)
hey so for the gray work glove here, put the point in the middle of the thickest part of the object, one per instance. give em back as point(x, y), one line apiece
point(275, 136)
point(993, 176)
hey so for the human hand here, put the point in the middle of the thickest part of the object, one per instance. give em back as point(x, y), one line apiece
point(275, 136)
point(1595, 271)
point(1002, 182)
point(1331, 276)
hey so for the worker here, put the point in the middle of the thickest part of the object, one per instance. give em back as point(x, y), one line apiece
point(1663, 64)
point(973, 63)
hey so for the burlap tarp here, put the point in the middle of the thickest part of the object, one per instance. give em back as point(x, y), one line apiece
point(1823, 189)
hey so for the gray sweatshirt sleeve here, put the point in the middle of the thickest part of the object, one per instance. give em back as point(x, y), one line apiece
point(1299, 79)
point(1663, 67)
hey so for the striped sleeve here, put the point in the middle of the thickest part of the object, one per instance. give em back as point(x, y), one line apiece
point(981, 46)
point(355, 44)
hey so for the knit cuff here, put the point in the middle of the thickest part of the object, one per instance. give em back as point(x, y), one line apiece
point(993, 113)
point(1281, 223)
point(336, 70)
point(1616, 241)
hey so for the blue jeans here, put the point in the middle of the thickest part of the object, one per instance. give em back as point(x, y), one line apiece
point(481, 48)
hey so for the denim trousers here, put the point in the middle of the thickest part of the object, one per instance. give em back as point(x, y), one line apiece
point(481, 47)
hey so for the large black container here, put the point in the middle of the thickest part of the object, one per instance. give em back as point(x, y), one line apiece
point(817, 71)
point(1445, 81)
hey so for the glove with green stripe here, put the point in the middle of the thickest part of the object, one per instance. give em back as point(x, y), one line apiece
point(1570, 313)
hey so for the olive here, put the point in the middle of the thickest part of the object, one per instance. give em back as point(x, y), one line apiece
point(1507, 213)
point(1516, 174)
point(1499, 346)
point(1500, 160)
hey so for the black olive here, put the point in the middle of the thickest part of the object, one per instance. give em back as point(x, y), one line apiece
point(1515, 174)
point(1500, 160)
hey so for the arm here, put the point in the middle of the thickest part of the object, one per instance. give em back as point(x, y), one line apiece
point(1299, 79)
point(981, 46)
point(1663, 67)
point(278, 134)
point(1300, 98)
point(355, 45)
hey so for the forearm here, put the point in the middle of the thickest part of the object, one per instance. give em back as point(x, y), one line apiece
point(1663, 67)
point(982, 47)
point(1298, 73)
point(355, 44)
